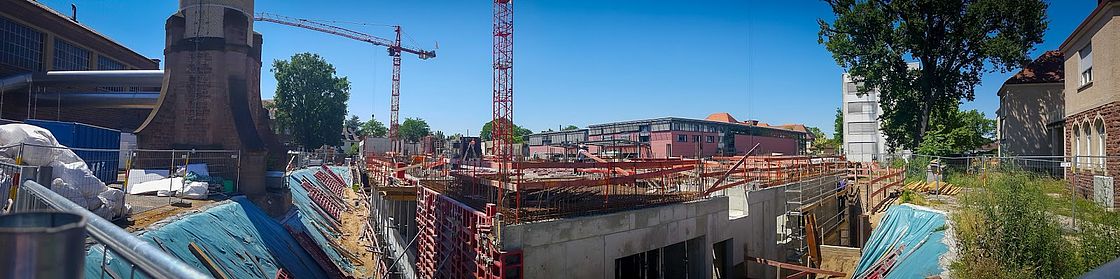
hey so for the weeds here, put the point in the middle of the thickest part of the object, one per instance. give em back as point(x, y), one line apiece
point(1015, 225)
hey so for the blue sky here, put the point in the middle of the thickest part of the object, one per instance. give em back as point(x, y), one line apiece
point(577, 62)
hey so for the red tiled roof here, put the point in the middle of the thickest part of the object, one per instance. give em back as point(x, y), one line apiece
point(1047, 68)
point(722, 117)
point(798, 128)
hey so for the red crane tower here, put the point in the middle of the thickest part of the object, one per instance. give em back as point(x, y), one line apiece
point(502, 124)
point(395, 48)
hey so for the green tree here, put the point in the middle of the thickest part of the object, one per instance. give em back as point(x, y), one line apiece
point(412, 129)
point(353, 150)
point(519, 132)
point(838, 125)
point(821, 140)
point(952, 40)
point(958, 133)
point(353, 123)
point(310, 99)
point(373, 128)
point(570, 127)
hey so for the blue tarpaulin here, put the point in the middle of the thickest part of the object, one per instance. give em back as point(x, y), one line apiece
point(242, 238)
point(245, 241)
point(310, 221)
point(919, 230)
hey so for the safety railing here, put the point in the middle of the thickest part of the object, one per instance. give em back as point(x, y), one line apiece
point(142, 257)
point(10, 173)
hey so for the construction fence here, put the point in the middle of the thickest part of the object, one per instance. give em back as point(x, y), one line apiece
point(104, 241)
point(133, 171)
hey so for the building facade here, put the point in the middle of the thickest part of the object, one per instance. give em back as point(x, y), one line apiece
point(671, 137)
point(1031, 115)
point(1092, 102)
point(863, 139)
point(35, 39)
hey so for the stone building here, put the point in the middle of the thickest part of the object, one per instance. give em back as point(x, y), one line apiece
point(1092, 102)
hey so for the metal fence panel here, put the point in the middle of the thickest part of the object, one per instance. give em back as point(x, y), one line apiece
point(145, 259)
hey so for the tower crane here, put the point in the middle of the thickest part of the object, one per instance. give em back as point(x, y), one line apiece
point(394, 47)
point(502, 123)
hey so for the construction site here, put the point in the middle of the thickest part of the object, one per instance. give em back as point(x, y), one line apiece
point(118, 165)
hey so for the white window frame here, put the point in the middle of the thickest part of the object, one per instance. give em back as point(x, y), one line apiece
point(1085, 64)
point(1076, 146)
point(1102, 136)
point(1087, 132)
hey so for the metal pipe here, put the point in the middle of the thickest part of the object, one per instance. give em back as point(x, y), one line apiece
point(148, 257)
point(141, 78)
point(138, 100)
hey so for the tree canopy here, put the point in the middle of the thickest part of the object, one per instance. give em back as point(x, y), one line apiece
point(519, 132)
point(412, 129)
point(957, 133)
point(951, 40)
point(821, 142)
point(838, 125)
point(353, 123)
point(373, 128)
point(310, 99)
point(570, 127)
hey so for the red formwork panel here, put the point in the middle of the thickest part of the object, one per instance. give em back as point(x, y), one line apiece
point(455, 240)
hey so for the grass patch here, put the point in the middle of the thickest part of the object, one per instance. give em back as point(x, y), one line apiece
point(909, 196)
point(1016, 225)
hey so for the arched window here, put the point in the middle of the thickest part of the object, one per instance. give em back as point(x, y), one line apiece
point(1102, 137)
point(1087, 132)
point(1076, 147)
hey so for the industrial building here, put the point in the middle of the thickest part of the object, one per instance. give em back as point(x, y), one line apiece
point(41, 51)
point(719, 134)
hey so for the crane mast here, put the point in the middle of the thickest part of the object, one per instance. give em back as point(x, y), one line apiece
point(502, 127)
point(393, 46)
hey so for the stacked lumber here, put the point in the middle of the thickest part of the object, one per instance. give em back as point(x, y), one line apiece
point(937, 188)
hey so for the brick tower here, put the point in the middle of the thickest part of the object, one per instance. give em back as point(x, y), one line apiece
point(211, 89)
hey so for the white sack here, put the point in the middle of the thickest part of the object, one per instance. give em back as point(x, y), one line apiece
point(195, 190)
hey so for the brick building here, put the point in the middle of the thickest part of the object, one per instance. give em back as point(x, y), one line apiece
point(719, 134)
point(35, 39)
point(1092, 102)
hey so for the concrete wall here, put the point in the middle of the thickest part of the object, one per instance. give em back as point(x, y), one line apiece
point(587, 247)
point(376, 146)
point(1025, 112)
point(753, 225)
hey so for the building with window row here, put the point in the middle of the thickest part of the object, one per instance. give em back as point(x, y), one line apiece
point(863, 139)
point(718, 135)
point(36, 38)
point(1092, 103)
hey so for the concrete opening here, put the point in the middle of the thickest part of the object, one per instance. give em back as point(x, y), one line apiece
point(721, 259)
point(681, 260)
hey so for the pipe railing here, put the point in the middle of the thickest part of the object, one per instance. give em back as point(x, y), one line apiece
point(143, 255)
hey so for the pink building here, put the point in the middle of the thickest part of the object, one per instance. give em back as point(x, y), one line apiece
point(718, 135)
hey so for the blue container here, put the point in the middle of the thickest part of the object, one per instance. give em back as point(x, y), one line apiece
point(99, 147)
